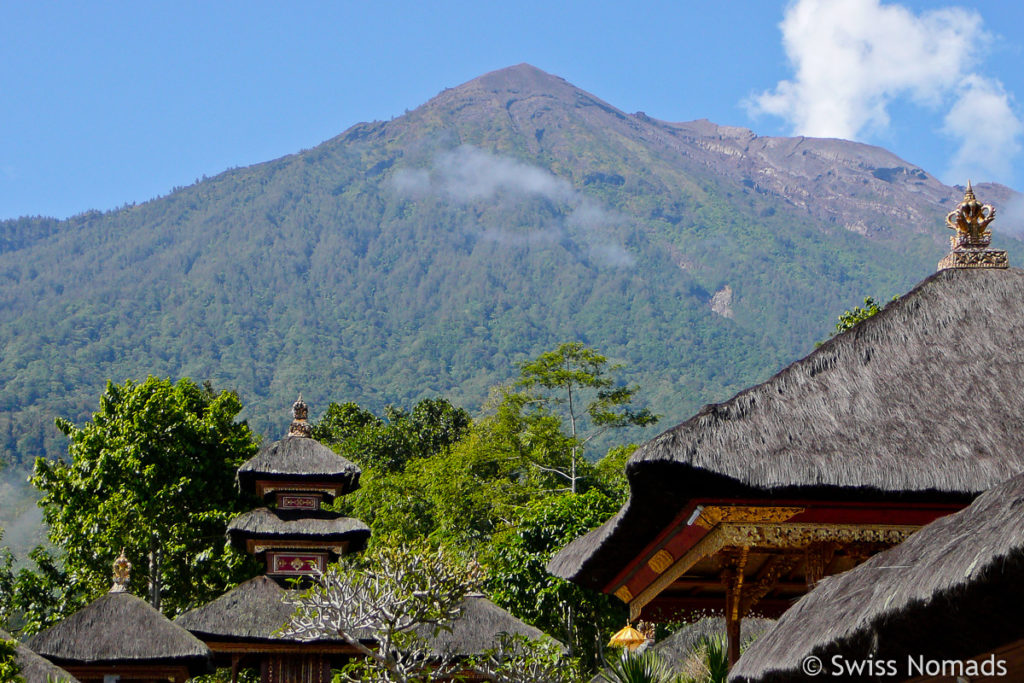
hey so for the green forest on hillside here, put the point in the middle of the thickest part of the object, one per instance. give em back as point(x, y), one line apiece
point(428, 255)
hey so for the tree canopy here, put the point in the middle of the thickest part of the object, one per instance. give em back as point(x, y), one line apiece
point(151, 473)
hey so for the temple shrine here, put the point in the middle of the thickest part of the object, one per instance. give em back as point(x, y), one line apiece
point(119, 637)
point(879, 431)
point(295, 537)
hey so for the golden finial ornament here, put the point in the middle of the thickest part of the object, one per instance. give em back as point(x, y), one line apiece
point(300, 419)
point(122, 574)
point(970, 243)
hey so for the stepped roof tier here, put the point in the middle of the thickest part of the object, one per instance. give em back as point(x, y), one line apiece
point(298, 462)
point(953, 591)
point(251, 614)
point(477, 628)
point(254, 611)
point(328, 529)
point(119, 634)
point(36, 669)
point(882, 429)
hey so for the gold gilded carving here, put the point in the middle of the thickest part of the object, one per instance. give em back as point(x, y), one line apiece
point(773, 571)
point(661, 561)
point(970, 243)
point(623, 594)
point(787, 536)
point(714, 514)
point(801, 535)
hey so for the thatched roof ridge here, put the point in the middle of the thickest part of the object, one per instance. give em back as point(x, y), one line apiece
point(322, 525)
point(298, 457)
point(920, 401)
point(477, 628)
point(36, 669)
point(950, 591)
point(119, 627)
point(252, 611)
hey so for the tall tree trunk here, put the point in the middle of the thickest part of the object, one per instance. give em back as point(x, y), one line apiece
point(155, 557)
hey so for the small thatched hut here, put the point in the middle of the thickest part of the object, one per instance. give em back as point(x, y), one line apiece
point(952, 593)
point(902, 419)
point(121, 635)
point(35, 669)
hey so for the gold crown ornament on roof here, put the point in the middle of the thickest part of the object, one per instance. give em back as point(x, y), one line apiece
point(122, 574)
point(970, 244)
point(300, 416)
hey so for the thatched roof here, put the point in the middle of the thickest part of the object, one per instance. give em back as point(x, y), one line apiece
point(264, 523)
point(255, 610)
point(120, 628)
point(298, 458)
point(252, 611)
point(922, 401)
point(953, 590)
point(36, 669)
point(477, 628)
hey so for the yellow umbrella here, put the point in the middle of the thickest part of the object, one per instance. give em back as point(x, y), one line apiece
point(628, 638)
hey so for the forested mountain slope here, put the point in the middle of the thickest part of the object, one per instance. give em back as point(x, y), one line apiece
point(428, 254)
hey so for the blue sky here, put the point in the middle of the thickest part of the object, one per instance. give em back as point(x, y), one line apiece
point(116, 102)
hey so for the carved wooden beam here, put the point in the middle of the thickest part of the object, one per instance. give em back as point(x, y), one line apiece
point(779, 536)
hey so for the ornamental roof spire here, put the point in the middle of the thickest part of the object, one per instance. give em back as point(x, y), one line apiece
point(122, 574)
point(300, 424)
point(969, 247)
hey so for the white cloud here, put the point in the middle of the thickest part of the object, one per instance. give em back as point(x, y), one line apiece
point(983, 120)
point(852, 58)
point(468, 174)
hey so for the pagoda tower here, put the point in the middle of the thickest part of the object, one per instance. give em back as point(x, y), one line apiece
point(296, 476)
point(295, 537)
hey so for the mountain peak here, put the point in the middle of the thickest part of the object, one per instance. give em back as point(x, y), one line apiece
point(520, 77)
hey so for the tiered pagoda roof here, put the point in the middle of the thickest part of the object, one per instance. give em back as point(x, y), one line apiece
point(297, 475)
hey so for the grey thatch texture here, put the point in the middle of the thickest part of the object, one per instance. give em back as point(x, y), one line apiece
point(120, 628)
point(477, 628)
point(252, 611)
point(298, 457)
point(953, 590)
point(679, 647)
point(265, 523)
point(920, 402)
point(36, 669)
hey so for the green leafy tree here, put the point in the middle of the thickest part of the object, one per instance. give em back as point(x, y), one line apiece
point(153, 473)
point(575, 382)
point(400, 597)
point(10, 672)
point(387, 444)
point(848, 319)
point(518, 579)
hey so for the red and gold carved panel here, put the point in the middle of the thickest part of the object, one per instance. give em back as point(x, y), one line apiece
point(295, 563)
point(298, 501)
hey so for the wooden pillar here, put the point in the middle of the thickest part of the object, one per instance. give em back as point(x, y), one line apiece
point(234, 667)
point(734, 562)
